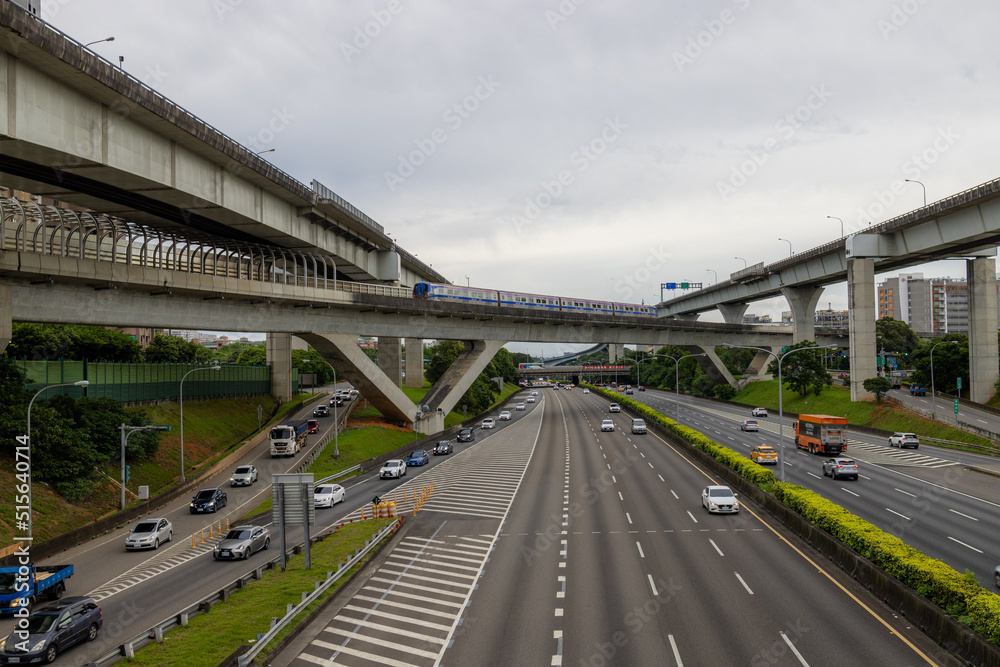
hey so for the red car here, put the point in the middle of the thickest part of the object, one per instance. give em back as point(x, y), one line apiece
point(313, 426)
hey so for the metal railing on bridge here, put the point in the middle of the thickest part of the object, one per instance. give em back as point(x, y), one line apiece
point(62, 232)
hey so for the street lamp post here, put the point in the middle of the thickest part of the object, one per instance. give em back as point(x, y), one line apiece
point(781, 405)
point(98, 41)
point(714, 273)
point(79, 383)
point(126, 432)
point(833, 217)
point(933, 396)
point(184, 377)
point(910, 180)
point(744, 261)
point(789, 245)
point(677, 376)
point(336, 425)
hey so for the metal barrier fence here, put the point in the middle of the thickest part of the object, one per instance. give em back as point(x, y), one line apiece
point(143, 382)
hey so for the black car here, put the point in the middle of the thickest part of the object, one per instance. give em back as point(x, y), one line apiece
point(208, 500)
point(465, 435)
point(53, 629)
point(443, 447)
point(336, 401)
point(321, 411)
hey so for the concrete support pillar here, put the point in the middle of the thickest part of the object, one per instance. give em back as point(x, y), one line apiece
point(982, 279)
point(390, 359)
point(415, 362)
point(712, 364)
point(616, 351)
point(279, 358)
point(733, 313)
point(757, 370)
point(802, 302)
point(861, 324)
point(6, 316)
point(343, 353)
point(452, 385)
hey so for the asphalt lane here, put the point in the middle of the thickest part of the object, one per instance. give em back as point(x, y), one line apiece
point(926, 497)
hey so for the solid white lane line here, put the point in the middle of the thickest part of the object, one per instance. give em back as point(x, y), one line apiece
point(743, 582)
point(965, 545)
point(717, 549)
point(677, 655)
point(794, 650)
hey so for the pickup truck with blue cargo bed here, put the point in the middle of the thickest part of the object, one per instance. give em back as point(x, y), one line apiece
point(30, 583)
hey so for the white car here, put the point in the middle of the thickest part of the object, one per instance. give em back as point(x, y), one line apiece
point(607, 425)
point(749, 425)
point(243, 476)
point(504, 415)
point(520, 406)
point(614, 407)
point(758, 412)
point(534, 393)
point(328, 495)
point(902, 440)
point(488, 423)
point(586, 391)
point(392, 468)
point(148, 534)
point(530, 399)
point(719, 500)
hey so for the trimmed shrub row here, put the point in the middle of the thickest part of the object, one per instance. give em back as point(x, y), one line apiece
point(961, 596)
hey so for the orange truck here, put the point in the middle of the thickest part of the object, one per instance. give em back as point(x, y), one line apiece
point(823, 434)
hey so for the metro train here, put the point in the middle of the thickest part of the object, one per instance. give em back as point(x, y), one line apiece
point(522, 300)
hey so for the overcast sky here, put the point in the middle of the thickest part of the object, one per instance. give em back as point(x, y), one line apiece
point(588, 148)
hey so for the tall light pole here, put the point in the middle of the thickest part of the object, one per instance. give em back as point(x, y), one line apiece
point(910, 180)
point(833, 217)
point(744, 261)
point(336, 425)
point(184, 377)
point(79, 383)
point(126, 432)
point(714, 273)
point(98, 41)
point(677, 376)
point(789, 245)
point(933, 397)
point(781, 405)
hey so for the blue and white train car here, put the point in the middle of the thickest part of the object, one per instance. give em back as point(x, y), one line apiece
point(587, 306)
point(633, 309)
point(523, 300)
point(455, 293)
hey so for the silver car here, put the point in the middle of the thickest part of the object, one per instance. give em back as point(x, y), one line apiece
point(241, 542)
point(148, 534)
point(607, 425)
point(840, 467)
point(392, 468)
point(243, 476)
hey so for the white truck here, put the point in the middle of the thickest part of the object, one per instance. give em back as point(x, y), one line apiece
point(288, 439)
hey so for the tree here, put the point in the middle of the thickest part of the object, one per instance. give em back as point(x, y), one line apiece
point(77, 342)
point(878, 386)
point(441, 356)
point(803, 372)
point(174, 349)
point(896, 336)
point(950, 362)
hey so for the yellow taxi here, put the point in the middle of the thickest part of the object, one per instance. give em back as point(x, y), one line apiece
point(764, 454)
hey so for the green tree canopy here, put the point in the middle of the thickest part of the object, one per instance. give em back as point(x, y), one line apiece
point(76, 342)
point(896, 336)
point(951, 361)
point(803, 372)
point(174, 349)
point(878, 386)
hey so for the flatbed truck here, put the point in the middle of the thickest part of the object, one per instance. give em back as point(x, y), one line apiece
point(287, 439)
point(25, 585)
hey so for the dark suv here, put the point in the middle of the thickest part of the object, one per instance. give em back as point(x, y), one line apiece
point(51, 630)
point(465, 435)
point(208, 500)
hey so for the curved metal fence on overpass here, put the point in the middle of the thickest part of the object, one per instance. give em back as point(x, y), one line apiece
point(62, 232)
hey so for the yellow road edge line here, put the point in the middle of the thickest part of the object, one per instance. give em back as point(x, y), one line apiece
point(808, 560)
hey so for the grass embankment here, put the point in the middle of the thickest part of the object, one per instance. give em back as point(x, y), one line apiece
point(211, 430)
point(836, 400)
point(210, 638)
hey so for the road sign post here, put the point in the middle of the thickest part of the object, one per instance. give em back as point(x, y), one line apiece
point(956, 406)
